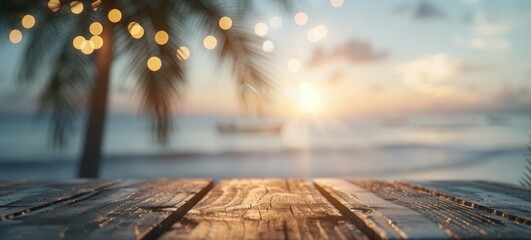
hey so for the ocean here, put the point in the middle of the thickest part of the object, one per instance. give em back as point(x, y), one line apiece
point(466, 146)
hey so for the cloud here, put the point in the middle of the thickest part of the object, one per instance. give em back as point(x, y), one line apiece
point(433, 74)
point(426, 10)
point(482, 43)
point(354, 51)
point(423, 10)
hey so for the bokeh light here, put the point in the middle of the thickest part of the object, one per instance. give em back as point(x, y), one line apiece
point(225, 23)
point(15, 36)
point(97, 41)
point(114, 15)
point(95, 4)
point(301, 18)
point(76, 7)
point(87, 47)
point(28, 21)
point(78, 41)
point(136, 30)
point(96, 28)
point(261, 29)
point(183, 53)
point(268, 46)
point(210, 42)
point(162, 37)
point(276, 22)
point(294, 65)
point(54, 5)
point(317, 33)
point(154, 64)
point(336, 3)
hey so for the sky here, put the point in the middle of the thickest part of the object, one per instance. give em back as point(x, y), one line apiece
point(360, 58)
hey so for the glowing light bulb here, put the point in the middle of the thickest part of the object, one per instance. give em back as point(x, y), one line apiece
point(96, 28)
point(28, 21)
point(97, 41)
point(183, 53)
point(78, 41)
point(154, 64)
point(225, 23)
point(261, 29)
point(76, 7)
point(15, 36)
point(301, 18)
point(54, 5)
point(114, 15)
point(161, 37)
point(268, 46)
point(336, 3)
point(210, 42)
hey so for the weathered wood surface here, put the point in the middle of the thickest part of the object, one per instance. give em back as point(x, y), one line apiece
point(376, 217)
point(501, 199)
point(263, 209)
point(457, 220)
point(21, 197)
point(129, 210)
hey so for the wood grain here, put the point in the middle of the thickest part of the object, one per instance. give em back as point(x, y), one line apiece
point(130, 210)
point(263, 209)
point(500, 199)
point(457, 220)
point(376, 217)
point(22, 197)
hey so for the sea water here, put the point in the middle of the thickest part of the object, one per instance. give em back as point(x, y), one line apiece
point(471, 146)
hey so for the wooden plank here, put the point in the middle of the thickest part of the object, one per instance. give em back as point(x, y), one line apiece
point(376, 217)
point(9, 183)
point(263, 209)
point(130, 210)
point(457, 220)
point(22, 197)
point(504, 200)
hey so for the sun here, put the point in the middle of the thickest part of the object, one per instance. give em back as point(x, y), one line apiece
point(309, 98)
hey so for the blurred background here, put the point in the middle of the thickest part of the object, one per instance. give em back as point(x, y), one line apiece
point(419, 89)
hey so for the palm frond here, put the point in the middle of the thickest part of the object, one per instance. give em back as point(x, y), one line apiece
point(64, 95)
point(241, 48)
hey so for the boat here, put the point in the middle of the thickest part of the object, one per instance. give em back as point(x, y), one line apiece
point(234, 128)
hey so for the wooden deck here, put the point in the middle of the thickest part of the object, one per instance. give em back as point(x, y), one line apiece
point(263, 209)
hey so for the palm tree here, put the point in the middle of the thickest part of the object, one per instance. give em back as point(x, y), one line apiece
point(78, 79)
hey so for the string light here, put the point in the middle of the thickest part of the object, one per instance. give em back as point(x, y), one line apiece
point(54, 5)
point(136, 30)
point(154, 64)
point(261, 29)
point(268, 46)
point(15, 36)
point(95, 4)
point(210, 42)
point(336, 3)
point(114, 15)
point(161, 37)
point(28, 21)
point(225, 23)
point(97, 42)
point(96, 28)
point(76, 7)
point(183, 53)
point(301, 18)
point(78, 41)
point(87, 47)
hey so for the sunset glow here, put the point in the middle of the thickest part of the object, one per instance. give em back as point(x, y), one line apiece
point(309, 98)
